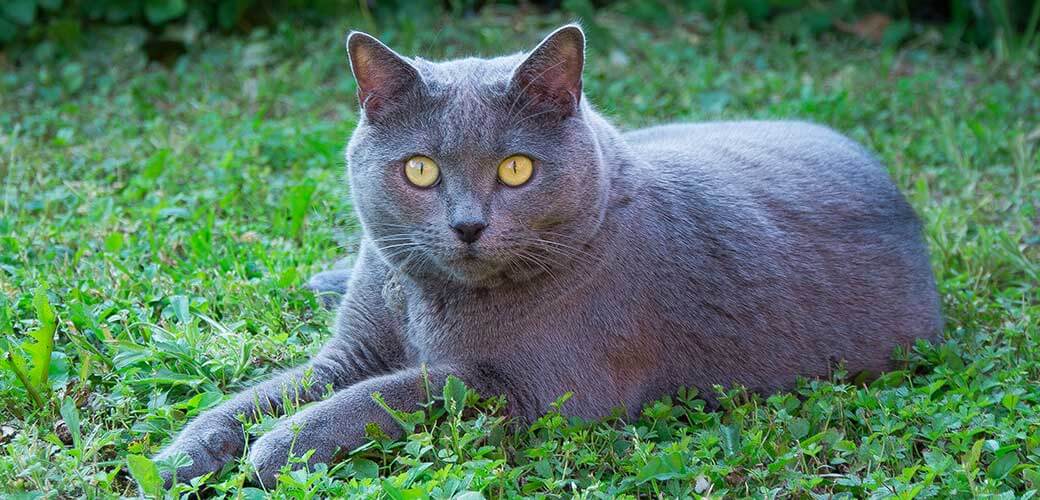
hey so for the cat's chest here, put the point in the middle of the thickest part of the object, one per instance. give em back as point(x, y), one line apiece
point(507, 323)
point(445, 325)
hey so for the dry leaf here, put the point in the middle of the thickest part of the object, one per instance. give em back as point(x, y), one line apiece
point(870, 27)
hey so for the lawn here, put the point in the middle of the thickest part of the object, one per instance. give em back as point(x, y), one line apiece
point(163, 220)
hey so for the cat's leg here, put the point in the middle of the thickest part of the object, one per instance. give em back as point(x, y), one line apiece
point(367, 343)
point(338, 423)
point(330, 286)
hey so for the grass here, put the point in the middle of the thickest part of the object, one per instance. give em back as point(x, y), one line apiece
point(167, 217)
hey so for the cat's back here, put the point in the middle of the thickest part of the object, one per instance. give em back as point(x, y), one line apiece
point(675, 136)
point(780, 154)
point(787, 238)
point(771, 171)
point(765, 187)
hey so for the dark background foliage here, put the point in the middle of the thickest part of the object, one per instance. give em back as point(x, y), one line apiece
point(975, 22)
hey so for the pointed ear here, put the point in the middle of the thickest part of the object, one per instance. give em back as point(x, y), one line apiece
point(551, 73)
point(381, 74)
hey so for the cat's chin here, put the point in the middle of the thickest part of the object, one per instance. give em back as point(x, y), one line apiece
point(485, 271)
point(477, 268)
point(475, 272)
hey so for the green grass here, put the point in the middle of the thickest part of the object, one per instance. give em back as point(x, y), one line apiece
point(170, 215)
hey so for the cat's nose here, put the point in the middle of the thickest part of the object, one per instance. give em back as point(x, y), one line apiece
point(468, 231)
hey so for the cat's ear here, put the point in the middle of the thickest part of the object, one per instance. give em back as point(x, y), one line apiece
point(551, 73)
point(382, 75)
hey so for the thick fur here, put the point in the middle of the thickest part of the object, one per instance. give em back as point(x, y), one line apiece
point(632, 264)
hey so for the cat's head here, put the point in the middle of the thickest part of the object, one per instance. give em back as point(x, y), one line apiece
point(479, 171)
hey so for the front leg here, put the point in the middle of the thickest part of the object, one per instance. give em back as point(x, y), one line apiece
point(339, 422)
point(217, 437)
point(366, 344)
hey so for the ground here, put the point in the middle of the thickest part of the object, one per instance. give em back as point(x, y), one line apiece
point(168, 217)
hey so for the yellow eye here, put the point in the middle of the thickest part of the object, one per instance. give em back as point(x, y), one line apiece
point(421, 171)
point(515, 170)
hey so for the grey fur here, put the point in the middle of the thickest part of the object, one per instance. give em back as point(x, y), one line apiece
point(330, 286)
point(632, 264)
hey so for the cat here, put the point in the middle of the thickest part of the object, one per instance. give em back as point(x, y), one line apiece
point(515, 239)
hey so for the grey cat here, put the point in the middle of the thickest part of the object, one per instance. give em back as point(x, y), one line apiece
point(517, 240)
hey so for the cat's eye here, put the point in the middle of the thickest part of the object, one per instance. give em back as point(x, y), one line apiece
point(421, 171)
point(515, 170)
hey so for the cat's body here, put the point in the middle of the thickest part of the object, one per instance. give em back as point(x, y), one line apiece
point(747, 253)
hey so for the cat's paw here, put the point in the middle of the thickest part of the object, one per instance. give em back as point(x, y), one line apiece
point(330, 286)
point(272, 451)
point(210, 441)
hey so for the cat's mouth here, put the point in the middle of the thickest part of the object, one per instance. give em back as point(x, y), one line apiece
point(470, 260)
point(475, 266)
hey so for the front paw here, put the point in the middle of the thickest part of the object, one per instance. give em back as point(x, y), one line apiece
point(292, 438)
point(330, 286)
point(210, 442)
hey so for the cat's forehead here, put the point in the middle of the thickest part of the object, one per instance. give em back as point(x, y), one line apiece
point(466, 98)
point(471, 74)
point(462, 109)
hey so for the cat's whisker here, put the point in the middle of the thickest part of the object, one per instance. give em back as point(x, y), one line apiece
point(423, 259)
point(576, 251)
point(514, 268)
point(392, 239)
point(548, 270)
point(563, 236)
point(564, 251)
point(558, 256)
point(574, 243)
point(534, 259)
point(555, 260)
point(403, 249)
point(388, 224)
point(393, 235)
point(397, 245)
point(527, 262)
